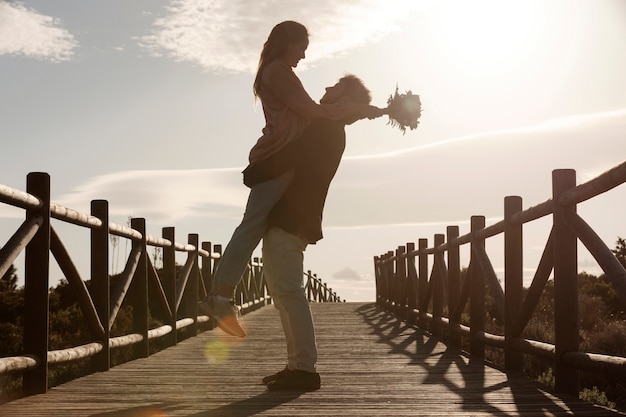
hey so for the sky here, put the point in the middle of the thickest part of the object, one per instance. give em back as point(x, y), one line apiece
point(148, 104)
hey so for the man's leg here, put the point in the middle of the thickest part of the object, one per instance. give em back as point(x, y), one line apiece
point(246, 237)
point(270, 279)
point(283, 255)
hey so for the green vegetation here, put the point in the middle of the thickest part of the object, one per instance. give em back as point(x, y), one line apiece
point(594, 395)
point(67, 329)
point(602, 327)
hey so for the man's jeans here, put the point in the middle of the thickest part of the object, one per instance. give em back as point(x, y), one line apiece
point(263, 197)
point(283, 255)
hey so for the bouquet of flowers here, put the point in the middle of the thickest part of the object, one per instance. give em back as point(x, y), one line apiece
point(404, 110)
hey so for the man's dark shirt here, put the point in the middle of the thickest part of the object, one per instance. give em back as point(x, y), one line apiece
point(315, 157)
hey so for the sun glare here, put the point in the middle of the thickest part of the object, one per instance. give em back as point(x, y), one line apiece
point(486, 35)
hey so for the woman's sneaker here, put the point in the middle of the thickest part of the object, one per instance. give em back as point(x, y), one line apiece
point(225, 313)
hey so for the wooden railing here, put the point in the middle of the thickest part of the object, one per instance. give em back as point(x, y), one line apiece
point(406, 287)
point(177, 292)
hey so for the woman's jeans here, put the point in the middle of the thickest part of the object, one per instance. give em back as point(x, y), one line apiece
point(246, 237)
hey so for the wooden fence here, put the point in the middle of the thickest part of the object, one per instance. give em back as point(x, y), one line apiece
point(406, 287)
point(177, 292)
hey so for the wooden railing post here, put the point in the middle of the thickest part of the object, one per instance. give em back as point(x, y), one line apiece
point(140, 292)
point(377, 280)
point(389, 274)
point(400, 282)
point(565, 284)
point(381, 281)
point(513, 281)
point(258, 277)
point(169, 281)
point(320, 289)
point(100, 281)
point(422, 290)
point(309, 285)
point(191, 300)
point(454, 280)
point(438, 292)
point(36, 271)
point(477, 291)
point(411, 284)
point(207, 271)
point(218, 251)
point(317, 296)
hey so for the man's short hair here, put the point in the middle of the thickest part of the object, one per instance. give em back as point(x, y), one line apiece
point(356, 89)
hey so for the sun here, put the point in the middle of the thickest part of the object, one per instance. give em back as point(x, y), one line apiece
point(485, 36)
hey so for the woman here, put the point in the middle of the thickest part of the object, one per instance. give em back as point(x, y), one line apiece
point(288, 109)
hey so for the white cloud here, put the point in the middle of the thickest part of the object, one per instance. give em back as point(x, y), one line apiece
point(347, 274)
point(228, 35)
point(164, 196)
point(25, 32)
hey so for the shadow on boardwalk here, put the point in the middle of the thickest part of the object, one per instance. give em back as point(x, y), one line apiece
point(469, 378)
point(371, 365)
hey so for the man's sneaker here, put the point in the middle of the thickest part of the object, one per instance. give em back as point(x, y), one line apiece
point(296, 380)
point(277, 375)
point(225, 313)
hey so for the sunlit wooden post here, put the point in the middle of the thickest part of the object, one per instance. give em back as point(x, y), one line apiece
point(140, 292)
point(477, 291)
point(454, 280)
point(100, 281)
point(438, 292)
point(169, 281)
point(565, 284)
point(422, 260)
point(513, 280)
point(36, 282)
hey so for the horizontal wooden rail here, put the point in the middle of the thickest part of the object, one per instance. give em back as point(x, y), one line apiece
point(19, 198)
point(410, 291)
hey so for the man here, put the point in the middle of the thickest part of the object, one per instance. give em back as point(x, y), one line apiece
point(295, 222)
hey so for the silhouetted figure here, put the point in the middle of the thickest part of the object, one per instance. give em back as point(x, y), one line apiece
point(288, 110)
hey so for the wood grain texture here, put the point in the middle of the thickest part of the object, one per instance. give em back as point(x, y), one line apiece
point(370, 364)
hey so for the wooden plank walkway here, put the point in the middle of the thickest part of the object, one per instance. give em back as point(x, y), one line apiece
point(371, 365)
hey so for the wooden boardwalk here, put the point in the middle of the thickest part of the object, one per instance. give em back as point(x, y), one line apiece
point(371, 365)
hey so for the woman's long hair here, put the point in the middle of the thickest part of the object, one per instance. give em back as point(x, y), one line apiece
point(283, 34)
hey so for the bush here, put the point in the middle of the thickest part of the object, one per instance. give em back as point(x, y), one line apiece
point(594, 395)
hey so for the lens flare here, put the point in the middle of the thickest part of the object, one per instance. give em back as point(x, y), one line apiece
point(216, 352)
